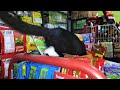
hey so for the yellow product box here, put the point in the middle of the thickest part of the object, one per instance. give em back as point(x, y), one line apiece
point(27, 19)
point(37, 18)
point(30, 44)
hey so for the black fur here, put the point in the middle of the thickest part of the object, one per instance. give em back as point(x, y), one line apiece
point(113, 59)
point(62, 40)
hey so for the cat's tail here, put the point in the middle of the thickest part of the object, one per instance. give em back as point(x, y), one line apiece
point(17, 24)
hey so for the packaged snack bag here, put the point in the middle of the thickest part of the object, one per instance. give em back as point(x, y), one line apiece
point(112, 69)
point(19, 70)
point(40, 71)
point(32, 70)
point(30, 44)
point(47, 71)
point(43, 73)
point(40, 43)
point(19, 42)
point(35, 43)
point(86, 38)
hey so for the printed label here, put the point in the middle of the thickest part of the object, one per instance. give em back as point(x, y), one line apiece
point(9, 41)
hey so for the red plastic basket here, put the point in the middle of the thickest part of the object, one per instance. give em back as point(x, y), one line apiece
point(72, 64)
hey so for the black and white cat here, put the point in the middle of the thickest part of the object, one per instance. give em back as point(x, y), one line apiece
point(62, 40)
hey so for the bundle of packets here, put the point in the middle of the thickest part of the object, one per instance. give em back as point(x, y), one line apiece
point(41, 71)
point(30, 70)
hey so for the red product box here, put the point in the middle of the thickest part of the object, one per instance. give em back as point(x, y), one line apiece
point(58, 75)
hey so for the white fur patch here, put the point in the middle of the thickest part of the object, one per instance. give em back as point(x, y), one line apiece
point(50, 51)
point(11, 14)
